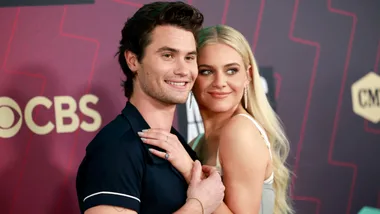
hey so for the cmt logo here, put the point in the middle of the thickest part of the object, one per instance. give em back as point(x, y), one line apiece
point(8, 107)
point(369, 97)
point(366, 97)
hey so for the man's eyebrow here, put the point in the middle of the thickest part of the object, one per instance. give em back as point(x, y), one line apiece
point(166, 48)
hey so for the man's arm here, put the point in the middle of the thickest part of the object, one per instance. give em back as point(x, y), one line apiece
point(203, 196)
point(191, 207)
point(105, 209)
point(109, 178)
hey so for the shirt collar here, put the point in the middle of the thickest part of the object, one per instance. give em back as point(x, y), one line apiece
point(138, 123)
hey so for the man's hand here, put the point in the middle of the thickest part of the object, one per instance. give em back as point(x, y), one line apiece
point(208, 170)
point(210, 190)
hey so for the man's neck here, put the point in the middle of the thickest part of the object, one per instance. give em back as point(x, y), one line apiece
point(156, 114)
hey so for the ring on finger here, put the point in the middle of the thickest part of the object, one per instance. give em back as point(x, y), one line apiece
point(166, 156)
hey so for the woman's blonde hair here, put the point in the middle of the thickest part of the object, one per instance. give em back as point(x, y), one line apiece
point(259, 107)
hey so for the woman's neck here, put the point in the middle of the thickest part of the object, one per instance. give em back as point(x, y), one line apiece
point(213, 121)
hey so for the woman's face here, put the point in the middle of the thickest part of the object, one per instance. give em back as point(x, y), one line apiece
point(222, 76)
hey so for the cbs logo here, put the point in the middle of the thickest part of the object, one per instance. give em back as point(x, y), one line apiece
point(8, 107)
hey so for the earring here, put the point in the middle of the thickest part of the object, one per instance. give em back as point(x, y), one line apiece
point(245, 97)
point(191, 99)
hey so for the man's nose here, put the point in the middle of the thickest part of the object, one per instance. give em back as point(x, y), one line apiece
point(181, 68)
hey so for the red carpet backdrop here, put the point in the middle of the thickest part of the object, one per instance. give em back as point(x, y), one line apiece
point(60, 83)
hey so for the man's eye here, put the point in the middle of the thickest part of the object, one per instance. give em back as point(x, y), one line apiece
point(190, 58)
point(167, 55)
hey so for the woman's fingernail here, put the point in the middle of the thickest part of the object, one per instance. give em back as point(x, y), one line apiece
point(140, 133)
point(143, 139)
point(144, 130)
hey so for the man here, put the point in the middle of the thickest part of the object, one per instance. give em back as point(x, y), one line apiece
point(157, 54)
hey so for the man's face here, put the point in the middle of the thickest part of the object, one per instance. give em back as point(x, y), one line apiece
point(169, 68)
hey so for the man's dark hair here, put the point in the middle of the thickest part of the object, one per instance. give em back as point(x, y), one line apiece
point(136, 34)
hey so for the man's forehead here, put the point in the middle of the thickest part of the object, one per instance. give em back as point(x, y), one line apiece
point(172, 39)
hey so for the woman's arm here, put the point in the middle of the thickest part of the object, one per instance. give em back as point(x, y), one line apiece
point(178, 155)
point(244, 158)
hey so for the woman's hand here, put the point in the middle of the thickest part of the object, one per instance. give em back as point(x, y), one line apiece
point(175, 152)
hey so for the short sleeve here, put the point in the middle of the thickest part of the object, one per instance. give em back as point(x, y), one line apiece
point(112, 176)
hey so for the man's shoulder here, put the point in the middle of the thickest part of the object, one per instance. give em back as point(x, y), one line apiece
point(115, 152)
point(112, 135)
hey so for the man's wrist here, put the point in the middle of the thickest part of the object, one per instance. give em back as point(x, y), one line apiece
point(197, 201)
point(191, 207)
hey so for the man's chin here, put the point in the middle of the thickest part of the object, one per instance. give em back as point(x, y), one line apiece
point(176, 100)
point(179, 101)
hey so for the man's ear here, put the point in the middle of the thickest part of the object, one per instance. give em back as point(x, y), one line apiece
point(132, 61)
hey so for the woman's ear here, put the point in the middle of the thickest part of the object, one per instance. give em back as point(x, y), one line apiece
point(132, 61)
point(249, 76)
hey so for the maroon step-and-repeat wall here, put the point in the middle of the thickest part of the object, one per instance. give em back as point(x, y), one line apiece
point(60, 83)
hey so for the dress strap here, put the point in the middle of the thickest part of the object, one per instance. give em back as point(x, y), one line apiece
point(196, 141)
point(261, 130)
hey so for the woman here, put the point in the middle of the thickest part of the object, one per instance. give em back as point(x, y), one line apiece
point(243, 136)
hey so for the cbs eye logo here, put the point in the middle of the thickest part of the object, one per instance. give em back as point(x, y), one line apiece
point(9, 127)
